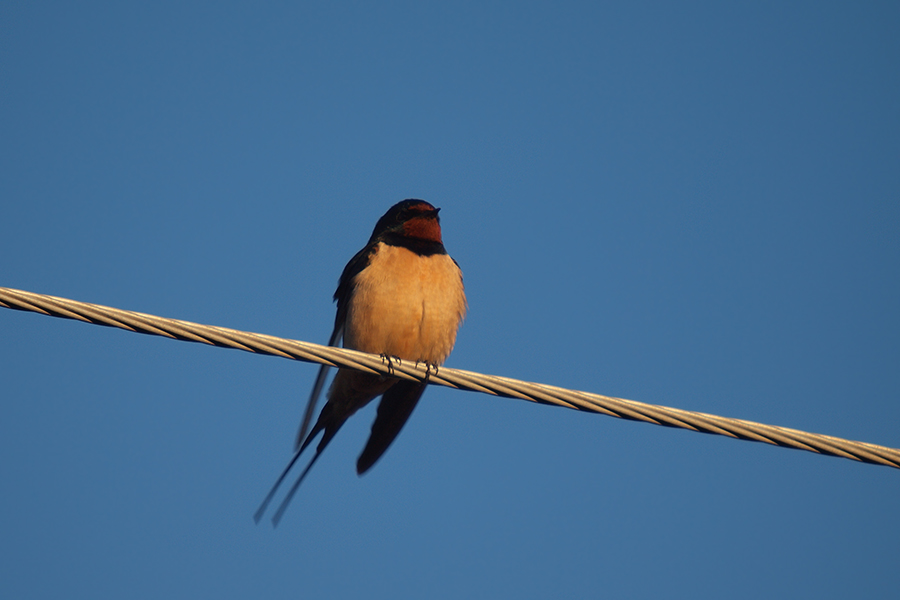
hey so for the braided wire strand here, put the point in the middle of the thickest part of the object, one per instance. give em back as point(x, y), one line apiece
point(455, 378)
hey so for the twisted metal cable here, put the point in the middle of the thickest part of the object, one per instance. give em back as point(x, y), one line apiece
point(464, 380)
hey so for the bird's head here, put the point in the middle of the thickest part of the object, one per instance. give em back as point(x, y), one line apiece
point(414, 219)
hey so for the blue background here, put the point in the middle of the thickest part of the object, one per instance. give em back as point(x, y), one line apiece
point(689, 204)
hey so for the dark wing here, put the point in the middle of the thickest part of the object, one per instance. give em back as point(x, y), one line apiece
point(317, 388)
point(348, 280)
point(342, 295)
point(393, 411)
point(344, 290)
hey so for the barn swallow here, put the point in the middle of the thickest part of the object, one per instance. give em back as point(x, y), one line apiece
point(402, 297)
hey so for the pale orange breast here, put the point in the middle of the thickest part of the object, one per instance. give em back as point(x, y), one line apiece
point(406, 305)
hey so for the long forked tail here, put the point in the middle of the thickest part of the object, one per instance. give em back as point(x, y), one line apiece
point(265, 503)
point(330, 430)
point(276, 518)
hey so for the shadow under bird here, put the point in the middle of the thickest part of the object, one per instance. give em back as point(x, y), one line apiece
point(402, 297)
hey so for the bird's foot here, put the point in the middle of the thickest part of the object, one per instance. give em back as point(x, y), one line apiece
point(428, 367)
point(390, 362)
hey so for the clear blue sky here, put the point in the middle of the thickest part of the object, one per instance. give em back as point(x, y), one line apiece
point(689, 204)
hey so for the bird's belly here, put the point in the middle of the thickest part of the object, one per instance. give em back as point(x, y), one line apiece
point(406, 305)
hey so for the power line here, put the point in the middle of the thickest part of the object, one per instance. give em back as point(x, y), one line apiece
point(455, 378)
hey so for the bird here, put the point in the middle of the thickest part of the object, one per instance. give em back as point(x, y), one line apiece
point(402, 297)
